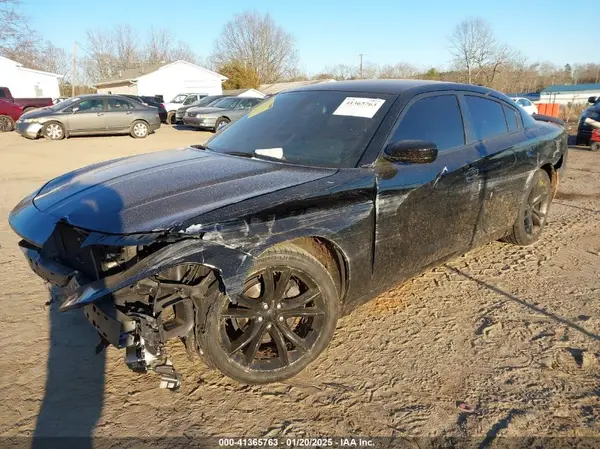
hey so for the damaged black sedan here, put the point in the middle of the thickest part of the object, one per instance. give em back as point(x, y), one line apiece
point(250, 247)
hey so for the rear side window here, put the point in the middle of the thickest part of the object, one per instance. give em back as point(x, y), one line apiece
point(511, 119)
point(117, 104)
point(2, 93)
point(435, 119)
point(487, 117)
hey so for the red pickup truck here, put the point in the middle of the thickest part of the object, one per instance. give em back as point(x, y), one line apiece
point(26, 103)
point(9, 113)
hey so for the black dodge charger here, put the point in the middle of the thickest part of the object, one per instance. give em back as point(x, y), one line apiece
point(249, 247)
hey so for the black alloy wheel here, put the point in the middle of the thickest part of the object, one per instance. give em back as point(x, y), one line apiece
point(533, 213)
point(282, 321)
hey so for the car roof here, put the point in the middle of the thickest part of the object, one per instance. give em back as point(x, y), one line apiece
point(392, 86)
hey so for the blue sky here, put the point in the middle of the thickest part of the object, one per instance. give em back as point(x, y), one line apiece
point(330, 32)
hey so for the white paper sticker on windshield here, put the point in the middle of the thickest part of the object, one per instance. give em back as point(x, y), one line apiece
point(271, 152)
point(359, 107)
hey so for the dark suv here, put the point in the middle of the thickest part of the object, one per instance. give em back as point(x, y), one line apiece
point(589, 118)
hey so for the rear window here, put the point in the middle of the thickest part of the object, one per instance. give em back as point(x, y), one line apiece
point(487, 117)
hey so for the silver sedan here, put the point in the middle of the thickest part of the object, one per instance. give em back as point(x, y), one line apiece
point(220, 113)
point(88, 115)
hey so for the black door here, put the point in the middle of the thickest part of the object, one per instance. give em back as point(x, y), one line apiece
point(494, 129)
point(424, 211)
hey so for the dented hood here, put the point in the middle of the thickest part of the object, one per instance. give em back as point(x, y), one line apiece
point(156, 191)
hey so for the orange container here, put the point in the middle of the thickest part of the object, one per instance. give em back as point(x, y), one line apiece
point(551, 109)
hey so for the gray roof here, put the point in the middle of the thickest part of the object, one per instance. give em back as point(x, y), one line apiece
point(557, 88)
point(272, 89)
point(130, 74)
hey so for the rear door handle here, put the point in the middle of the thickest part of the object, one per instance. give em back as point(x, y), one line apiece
point(128, 112)
point(100, 113)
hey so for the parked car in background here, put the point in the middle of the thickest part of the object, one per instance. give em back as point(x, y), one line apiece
point(250, 246)
point(220, 113)
point(90, 114)
point(179, 101)
point(9, 114)
point(588, 122)
point(203, 102)
point(150, 101)
point(526, 104)
point(26, 103)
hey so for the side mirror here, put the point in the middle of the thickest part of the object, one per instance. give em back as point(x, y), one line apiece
point(592, 100)
point(411, 151)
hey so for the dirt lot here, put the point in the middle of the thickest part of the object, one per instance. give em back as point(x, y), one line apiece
point(513, 332)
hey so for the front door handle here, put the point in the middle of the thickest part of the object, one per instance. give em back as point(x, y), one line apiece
point(100, 113)
point(128, 112)
point(440, 175)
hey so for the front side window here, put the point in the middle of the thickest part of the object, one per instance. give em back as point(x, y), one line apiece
point(315, 128)
point(245, 104)
point(91, 105)
point(117, 104)
point(435, 119)
point(487, 117)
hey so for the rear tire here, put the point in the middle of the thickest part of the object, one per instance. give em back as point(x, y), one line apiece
point(53, 131)
point(139, 129)
point(533, 213)
point(171, 118)
point(595, 146)
point(284, 320)
point(6, 123)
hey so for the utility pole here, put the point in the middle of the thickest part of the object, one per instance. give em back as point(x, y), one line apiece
point(73, 69)
point(361, 67)
point(598, 73)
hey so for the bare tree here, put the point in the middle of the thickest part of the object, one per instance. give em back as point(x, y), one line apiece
point(398, 71)
point(111, 52)
point(257, 41)
point(14, 29)
point(477, 52)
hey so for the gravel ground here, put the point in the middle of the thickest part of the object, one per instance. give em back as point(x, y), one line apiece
point(512, 332)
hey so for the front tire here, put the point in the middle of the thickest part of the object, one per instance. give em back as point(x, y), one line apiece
point(595, 146)
point(284, 319)
point(139, 129)
point(221, 123)
point(53, 131)
point(6, 123)
point(533, 212)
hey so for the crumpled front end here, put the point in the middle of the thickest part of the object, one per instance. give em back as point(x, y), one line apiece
point(138, 291)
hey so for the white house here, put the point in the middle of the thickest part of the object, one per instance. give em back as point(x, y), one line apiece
point(24, 82)
point(167, 80)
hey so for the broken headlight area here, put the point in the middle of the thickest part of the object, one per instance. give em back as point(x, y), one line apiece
point(138, 315)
